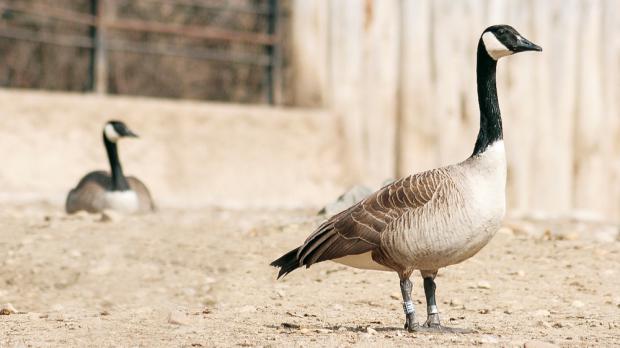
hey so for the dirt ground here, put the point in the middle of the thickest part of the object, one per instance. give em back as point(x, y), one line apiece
point(201, 278)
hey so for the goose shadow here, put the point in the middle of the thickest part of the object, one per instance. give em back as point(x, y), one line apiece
point(362, 328)
point(419, 329)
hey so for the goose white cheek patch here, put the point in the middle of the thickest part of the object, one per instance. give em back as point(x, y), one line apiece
point(111, 133)
point(495, 49)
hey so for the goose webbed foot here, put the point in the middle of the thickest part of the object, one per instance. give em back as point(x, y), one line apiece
point(410, 323)
point(432, 321)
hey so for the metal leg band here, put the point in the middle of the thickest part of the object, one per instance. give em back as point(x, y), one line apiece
point(432, 309)
point(408, 307)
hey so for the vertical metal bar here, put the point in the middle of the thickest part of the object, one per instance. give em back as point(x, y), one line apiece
point(274, 70)
point(101, 59)
point(92, 33)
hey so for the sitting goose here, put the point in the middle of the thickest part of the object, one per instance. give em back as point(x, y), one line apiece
point(99, 190)
point(431, 219)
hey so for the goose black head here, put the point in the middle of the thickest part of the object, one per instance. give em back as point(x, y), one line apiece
point(114, 130)
point(503, 40)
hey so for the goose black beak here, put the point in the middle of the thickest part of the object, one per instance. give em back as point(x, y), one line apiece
point(526, 45)
point(130, 134)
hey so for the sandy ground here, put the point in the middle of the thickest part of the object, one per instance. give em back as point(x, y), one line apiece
point(201, 278)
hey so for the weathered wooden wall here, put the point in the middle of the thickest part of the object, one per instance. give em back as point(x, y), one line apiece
point(400, 74)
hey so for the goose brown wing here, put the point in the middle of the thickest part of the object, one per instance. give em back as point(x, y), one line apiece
point(358, 229)
point(144, 195)
point(88, 194)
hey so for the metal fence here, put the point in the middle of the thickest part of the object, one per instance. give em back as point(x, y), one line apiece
point(99, 43)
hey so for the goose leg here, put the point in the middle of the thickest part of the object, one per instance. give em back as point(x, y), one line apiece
point(432, 319)
point(405, 288)
point(432, 322)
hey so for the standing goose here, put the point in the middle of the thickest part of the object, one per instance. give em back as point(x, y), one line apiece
point(431, 219)
point(99, 190)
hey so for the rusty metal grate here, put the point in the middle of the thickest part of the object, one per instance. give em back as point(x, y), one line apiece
point(100, 44)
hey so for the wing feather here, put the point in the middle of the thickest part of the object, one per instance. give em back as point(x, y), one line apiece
point(144, 195)
point(88, 194)
point(358, 229)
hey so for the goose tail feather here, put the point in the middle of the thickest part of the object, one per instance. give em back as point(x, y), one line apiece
point(287, 263)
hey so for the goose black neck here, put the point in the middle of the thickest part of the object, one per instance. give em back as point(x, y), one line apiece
point(490, 116)
point(119, 182)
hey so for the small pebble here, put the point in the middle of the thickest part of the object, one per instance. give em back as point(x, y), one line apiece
point(7, 309)
point(455, 302)
point(177, 318)
point(568, 236)
point(544, 324)
point(484, 285)
point(578, 304)
point(337, 307)
point(292, 314)
point(371, 331)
